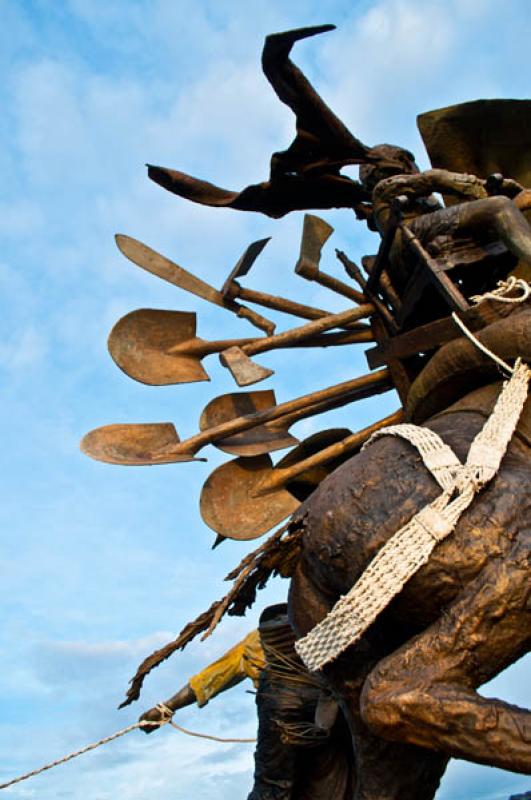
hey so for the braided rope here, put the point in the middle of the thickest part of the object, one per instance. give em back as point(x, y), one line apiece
point(410, 548)
point(166, 719)
point(505, 288)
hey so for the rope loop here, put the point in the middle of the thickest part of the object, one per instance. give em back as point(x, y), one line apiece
point(505, 288)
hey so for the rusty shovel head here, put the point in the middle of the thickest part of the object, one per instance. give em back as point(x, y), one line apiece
point(255, 441)
point(231, 505)
point(243, 369)
point(227, 505)
point(135, 444)
point(140, 344)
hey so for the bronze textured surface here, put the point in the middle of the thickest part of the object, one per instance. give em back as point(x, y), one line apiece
point(408, 689)
point(481, 137)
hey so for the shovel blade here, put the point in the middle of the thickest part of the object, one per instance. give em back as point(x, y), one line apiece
point(140, 341)
point(229, 508)
point(242, 368)
point(134, 445)
point(261, 439)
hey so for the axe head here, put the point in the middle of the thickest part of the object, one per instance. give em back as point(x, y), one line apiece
point(315, 232)
point(243, 369)
point(244, 264)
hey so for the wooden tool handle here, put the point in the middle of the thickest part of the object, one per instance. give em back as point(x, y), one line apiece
point(256, 319)
point(294, 335)
point(193, 444)
point(280, 476)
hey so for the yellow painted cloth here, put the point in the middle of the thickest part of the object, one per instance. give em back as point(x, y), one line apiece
point(244, 660)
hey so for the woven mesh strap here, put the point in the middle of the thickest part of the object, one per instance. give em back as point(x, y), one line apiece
point(408, 549)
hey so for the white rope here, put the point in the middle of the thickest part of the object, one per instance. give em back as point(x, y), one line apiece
point(504, 289)
point(410, 548)
point(468, 333)
point(166, 719)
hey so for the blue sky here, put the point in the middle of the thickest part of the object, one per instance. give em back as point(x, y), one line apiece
point(102, 564)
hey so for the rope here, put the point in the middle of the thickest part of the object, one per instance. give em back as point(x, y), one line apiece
point(166, 719)
point(512, 284)
point(468, 333)
point(410, 547)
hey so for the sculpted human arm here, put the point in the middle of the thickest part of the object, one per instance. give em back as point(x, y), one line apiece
point(423, 184)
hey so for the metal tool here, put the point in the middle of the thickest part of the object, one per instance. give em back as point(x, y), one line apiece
point(315, 233)
point(232, 290)
point(148, 259)
point(246, 372)
point(161, 347)
point(270, 436)
point(227, 503)
point(159, 443)
point(246, 497)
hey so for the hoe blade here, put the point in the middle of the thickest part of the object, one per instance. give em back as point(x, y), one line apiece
point(140, 343)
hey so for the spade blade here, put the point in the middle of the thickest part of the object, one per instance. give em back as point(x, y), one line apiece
point(227, 505)
point(140, 343)
point(134, 444)
point(261, 439)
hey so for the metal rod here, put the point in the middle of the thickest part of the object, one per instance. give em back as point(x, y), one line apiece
point(280, 476)
point(240, 424)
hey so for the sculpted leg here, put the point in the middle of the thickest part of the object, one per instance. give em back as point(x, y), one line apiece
point(505, 218)
point(382, 770)
point(424, 693)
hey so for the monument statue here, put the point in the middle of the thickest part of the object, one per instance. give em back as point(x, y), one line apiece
point(407, 543)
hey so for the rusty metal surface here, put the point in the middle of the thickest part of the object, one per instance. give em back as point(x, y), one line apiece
point(257, 440)
point(116, 443)
point(141, 444)
point(227, 505)
point(161, 347)
point(229, 501)
point(244, 264)
point(140, 344)
point(244, 371)
point(315, 233)
point(148, 259)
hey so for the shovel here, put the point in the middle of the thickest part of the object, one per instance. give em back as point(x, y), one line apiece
point(245, 371)
point(160, 348)
point(272, 435)
point(159, 443)
point(245, 498)
point(227, 505)
point(148, 259)
point(315, 232)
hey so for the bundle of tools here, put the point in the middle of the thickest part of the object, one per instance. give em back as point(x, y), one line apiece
point(247, 496)
point(432, 260)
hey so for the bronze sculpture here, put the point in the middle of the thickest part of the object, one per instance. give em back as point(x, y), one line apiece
point(408, 686)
